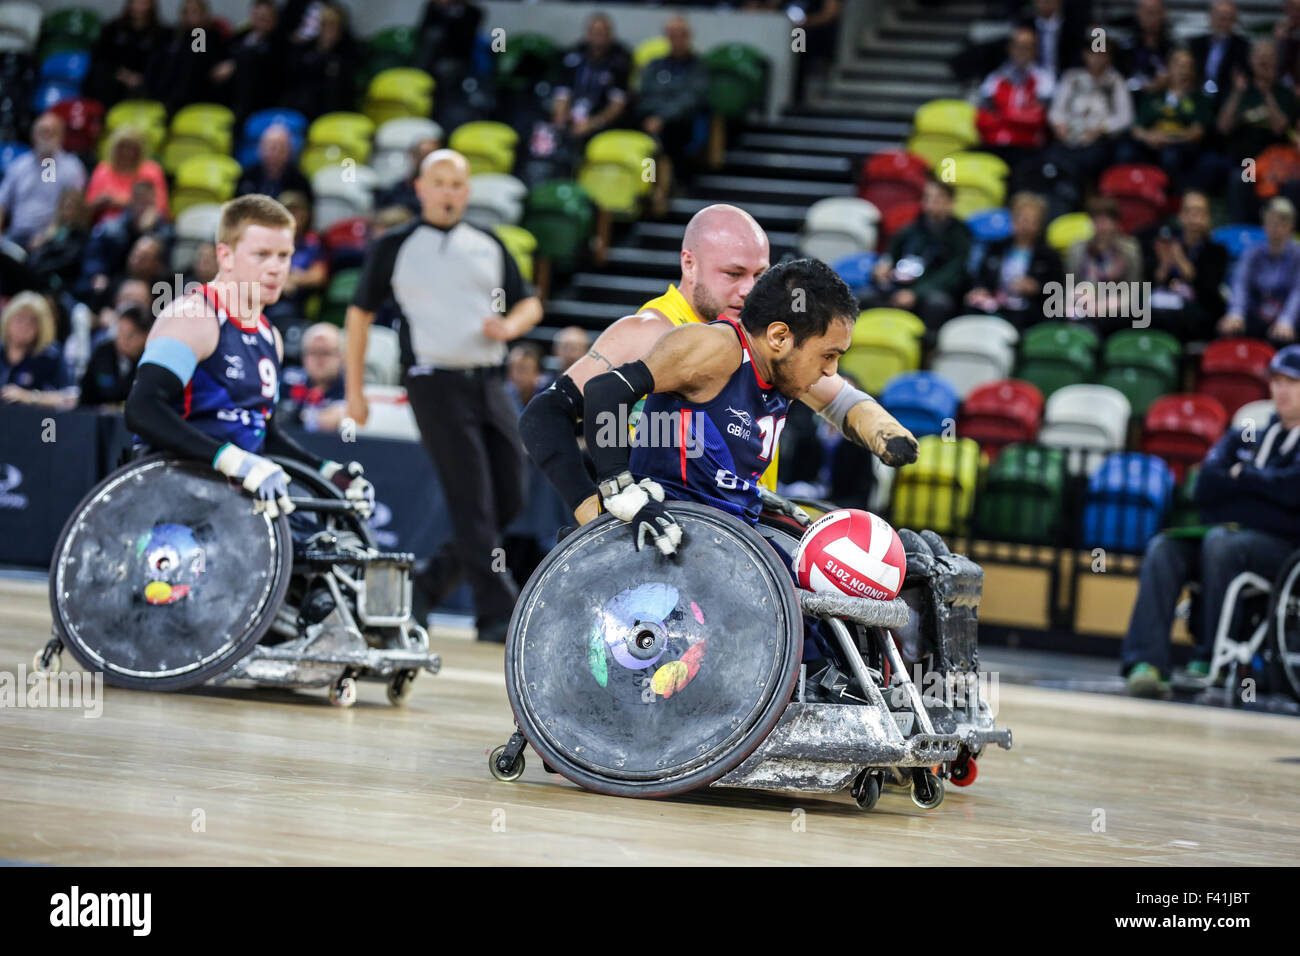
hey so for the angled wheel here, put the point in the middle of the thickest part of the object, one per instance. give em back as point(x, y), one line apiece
point(1284, 617)
point(637, 675)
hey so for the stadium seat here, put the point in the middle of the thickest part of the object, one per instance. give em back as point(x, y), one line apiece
point(614, 170)
point(71, 28)
point(942, 127)
point(737, 79)
point(49, 95)
point(1126, 502)
point(398, 93)
point(528, 59)
point(980, 181)
point(938, 491)
point(521, 244)
point(1064, 231)
point(1056, 354)
point(259, 122)
point(990, 225)
point(68, 67)
point(338, 295)
point(1183, 511)
point(1140, 191)
point(893, 177)
point(1257, 413)
point(1143, 364)
point(1001, 413)
point(140, 114)
point(83, 123)
point(837, 227)
point(211, 174)
point(1235, 371)
point(195, 224)
point(1023, 497)
point(495, 199)
point(923, 402)
point(389, 48)
point(351, 131)
point(318, 157)
point(560, 215)
point(897, 219)
point(1182, 428)
point(1087, 422)
point(975, 349)
point(1237, 238)
point(885, 342)
point(345, 242)
point(647, 51)
point(211, 123)
point(487, 146)
point(341, 193)
point(855, 270)
point(391, 157)
point(934, 147)
point(22, 21)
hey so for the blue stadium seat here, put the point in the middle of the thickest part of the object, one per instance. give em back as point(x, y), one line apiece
point(922, 402)
point(256, 124)
point(47, 94)
point(990, 225)
point(1238, 237)
point(856, 270)
point(1126, 502)
point(69, 67)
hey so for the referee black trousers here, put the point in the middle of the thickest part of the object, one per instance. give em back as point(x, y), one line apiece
point(471, 431)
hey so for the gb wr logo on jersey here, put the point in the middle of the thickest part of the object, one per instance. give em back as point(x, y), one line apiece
point(739, 428)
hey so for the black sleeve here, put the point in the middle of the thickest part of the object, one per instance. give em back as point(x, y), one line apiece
point(278, 443)
point(375, 287)
point(604, 427)
point(90, 393)
point(512, 280)
point(549, 427)
point(151, 414)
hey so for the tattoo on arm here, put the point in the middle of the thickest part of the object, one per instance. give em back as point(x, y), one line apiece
point(596, 355)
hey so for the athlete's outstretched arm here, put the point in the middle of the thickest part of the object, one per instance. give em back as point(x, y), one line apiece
point(862, 420)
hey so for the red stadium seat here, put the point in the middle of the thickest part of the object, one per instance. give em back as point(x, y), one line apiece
point(83, 120)
point(898, 218)
point(346, 239)
point(1182, 428)
point(1139, 191)
point(893, 178)
point(999, 413)
point(1235, 371)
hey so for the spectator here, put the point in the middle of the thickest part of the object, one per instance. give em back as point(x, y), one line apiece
point(185, 65)
point(203, 267)
point(1287, 35)
point(315, 396)
point(110, 188)
point(32, 371)
point(1188, 269)
point(1057, 35)
point(274, 172)
point(111, 371)
point(29, 193)
point(1012, 119)
point(1257, 114)
point(1171, 126)
point(447, 35)
point(125, 46)
point(570, 344)
point(593, 93)
point(253, 72)
point(673, 93)
point(1091, 108)
point(1221, 53)
point(1011, 276)
point(111, 241)
point(147, 261)
point(1265, 298)
point(524, 377)
point(56, 252)
point(321, 72)
point(308, 275)
point(403, 193)
point(1249, 487)
point(1108, 257)
point(1145, 58)
point(925, 269)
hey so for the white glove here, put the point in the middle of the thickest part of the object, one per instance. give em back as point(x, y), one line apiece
point(348, 479)
point(640, 504)
point(261, 476)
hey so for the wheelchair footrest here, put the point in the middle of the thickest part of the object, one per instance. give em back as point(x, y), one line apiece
point(328, 558)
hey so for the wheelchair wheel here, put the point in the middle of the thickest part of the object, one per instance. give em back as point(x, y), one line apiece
point(1284, 615)
point(163, 577)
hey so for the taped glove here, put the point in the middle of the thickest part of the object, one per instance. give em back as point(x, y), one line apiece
point(881, 432)
point(262, 477)
point(348, 479)
point(640, 504)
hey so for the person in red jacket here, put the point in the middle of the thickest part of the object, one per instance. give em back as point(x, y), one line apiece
point(1012, 118)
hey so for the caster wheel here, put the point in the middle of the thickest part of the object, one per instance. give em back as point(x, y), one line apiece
point(42, 666)
point(927, 790)
point(866, 790)
point(964, 772)
point(399, 688)
point(515, 772)
point(343, 692)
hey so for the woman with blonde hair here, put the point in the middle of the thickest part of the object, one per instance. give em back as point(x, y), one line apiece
point(128, 162)
point(32, 371)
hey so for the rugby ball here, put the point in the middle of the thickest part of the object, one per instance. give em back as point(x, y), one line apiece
point(851, 552)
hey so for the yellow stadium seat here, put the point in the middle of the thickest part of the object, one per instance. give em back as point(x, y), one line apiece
point(521, 244)
point(932, 147)
point(352, 131)
point(215, 173)
point(179, 149)
point(976, 164)
point(141, 114)
point(316, 158)
point(209, 122)
point(1064, 231)
point(487, 146)
point(955, 118)
point(647, 51)
point(616, 173)
point(398, 93)
point(938, 490)
point(885, 342)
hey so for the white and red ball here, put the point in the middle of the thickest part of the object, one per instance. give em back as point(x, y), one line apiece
point(851, 552)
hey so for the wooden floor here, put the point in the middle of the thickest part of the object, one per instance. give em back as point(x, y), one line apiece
point(236, 776)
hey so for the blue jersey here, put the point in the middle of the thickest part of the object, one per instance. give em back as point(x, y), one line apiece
point(233, 391)
point(713, 452)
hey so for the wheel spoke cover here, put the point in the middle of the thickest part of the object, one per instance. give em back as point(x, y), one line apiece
point(639, 675)
point(164, 577)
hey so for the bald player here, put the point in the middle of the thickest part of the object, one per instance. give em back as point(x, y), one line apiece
point(724, 251)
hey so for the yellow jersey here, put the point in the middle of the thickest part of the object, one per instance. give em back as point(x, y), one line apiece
point(674, 307)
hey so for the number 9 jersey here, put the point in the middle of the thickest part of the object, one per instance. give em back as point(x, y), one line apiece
point(233, 392)
point(714, 452)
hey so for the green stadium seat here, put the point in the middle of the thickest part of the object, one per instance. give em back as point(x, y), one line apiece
point(393, 47)
point(528, 58)
point(1023, 496)
point(1056, 354)
point(736, 78)
point(560, 215)
point(1143, 364)
point(338, 296)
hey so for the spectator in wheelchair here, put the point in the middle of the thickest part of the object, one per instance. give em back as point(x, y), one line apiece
point(1248, 492)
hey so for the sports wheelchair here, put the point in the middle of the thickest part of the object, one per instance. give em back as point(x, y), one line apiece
point(636, 675)
point(164, 578)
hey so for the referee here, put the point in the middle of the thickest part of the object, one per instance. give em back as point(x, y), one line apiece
point(452, 283)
